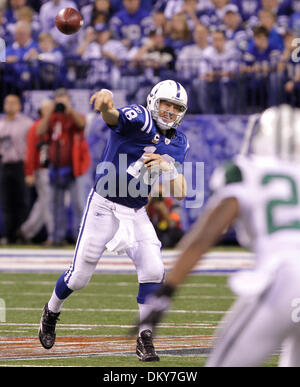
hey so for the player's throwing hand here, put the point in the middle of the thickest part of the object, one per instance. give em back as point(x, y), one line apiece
point(102, 100)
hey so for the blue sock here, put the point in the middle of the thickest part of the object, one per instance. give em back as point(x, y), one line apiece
point(145, 289)
point(61, 289)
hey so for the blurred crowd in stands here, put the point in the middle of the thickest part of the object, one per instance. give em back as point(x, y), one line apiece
point(233, 56)
point(52, 156)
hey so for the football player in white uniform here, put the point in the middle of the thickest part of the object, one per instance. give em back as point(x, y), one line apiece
point(143, 143)
point(259, 192)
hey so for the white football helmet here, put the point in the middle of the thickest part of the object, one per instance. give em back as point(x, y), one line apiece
point(171, 91)
point(276, 133)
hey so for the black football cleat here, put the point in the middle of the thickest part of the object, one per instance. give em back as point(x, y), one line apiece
point(47, 333)
point(144, 347)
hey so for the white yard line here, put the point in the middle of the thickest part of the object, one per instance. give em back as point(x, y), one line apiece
point(90, 326)
point(120, 310)
point(120, 284)
point(39, 260)
point(80, 294)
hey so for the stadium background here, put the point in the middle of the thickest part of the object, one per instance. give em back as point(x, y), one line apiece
point(214, 137)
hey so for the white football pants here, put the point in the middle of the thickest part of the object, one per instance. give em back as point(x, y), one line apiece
point(258, 326)
point(121, 229)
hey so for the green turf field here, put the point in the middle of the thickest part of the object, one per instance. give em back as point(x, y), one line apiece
point(105, 310)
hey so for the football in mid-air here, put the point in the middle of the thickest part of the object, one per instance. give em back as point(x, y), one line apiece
point(68, 21)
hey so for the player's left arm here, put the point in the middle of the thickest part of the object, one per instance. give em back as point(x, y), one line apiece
point(178, 185)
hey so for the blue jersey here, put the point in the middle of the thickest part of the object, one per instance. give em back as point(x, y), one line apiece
point(133, 27)
point(288, 7)
point(20, 72)
point(176, 44)
point(212, 19)
point(247, 8)
point(135, 135)
point(238, 37)
point(268, 56)
point(21, 51)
